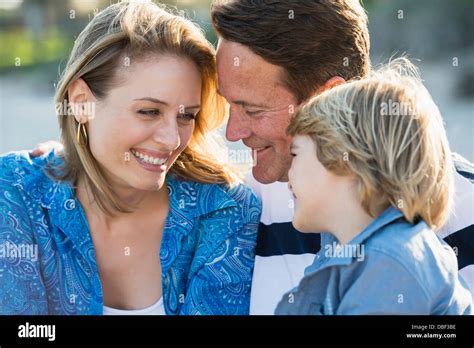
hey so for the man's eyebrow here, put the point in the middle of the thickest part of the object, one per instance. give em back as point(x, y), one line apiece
point(154, 100)
point(243, 102)
point(247, 104)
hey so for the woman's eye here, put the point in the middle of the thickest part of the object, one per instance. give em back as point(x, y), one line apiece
point(187, 116)
point(149, 112)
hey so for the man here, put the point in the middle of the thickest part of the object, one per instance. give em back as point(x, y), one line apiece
point(272, 57)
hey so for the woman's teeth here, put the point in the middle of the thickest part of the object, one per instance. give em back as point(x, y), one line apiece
point(149, 159)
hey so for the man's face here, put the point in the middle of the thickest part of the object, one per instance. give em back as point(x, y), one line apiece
point(260, 109)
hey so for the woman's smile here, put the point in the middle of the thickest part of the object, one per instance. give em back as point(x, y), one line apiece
point(153, 161)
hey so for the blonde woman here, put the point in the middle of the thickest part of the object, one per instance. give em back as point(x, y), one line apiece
point(374, 154)
point(135, 215)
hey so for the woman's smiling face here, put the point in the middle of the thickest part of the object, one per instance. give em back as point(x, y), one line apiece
point(146, 120)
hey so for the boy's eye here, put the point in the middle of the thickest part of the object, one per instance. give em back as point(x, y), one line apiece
point(149, 112)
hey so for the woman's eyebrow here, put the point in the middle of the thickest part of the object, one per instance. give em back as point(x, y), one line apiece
point(153, 100)
point(158, 101)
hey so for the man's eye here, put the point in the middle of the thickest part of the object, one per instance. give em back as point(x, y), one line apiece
point(149, 112)
point(293, 154)
point(253, 113)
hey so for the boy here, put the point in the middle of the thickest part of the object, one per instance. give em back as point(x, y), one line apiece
point(376, 151)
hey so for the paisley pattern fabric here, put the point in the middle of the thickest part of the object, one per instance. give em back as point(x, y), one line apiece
point(47, 257)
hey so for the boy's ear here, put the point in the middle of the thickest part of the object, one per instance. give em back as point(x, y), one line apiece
point(332, 82)
point(78, 94)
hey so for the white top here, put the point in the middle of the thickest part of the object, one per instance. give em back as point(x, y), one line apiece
point(274, 275)
point(154, 309)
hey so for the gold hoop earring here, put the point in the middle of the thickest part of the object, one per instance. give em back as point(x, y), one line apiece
point(81, 128)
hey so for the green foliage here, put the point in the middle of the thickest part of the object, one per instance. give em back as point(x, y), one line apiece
point(46, 47)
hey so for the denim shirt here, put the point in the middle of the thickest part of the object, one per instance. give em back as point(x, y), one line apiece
point(207, 248)
point(391, 267)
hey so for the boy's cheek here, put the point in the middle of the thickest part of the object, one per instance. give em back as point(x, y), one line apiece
point(300, 217)
point(297, 219)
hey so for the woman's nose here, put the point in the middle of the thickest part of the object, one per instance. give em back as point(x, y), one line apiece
point(167, 134)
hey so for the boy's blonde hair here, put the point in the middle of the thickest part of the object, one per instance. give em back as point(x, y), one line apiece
point(133, 30)
point(387, 132)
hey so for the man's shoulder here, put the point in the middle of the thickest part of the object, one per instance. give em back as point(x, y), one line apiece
point(464, 167)
point(458, 231)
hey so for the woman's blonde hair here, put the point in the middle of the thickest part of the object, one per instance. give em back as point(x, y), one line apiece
point(387, 131)
point(120, 33)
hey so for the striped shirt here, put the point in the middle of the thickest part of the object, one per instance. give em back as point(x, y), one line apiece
point(283, 253)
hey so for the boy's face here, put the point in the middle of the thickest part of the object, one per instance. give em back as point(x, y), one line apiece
point(315, 189)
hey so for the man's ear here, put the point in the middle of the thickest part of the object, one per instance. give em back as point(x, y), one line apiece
point(79, 93)
point(332, 82)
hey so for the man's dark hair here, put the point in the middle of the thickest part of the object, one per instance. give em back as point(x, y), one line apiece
point(311, 40)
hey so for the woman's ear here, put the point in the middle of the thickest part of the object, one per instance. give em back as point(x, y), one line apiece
point(79, 95)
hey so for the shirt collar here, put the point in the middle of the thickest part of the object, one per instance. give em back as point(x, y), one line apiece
point(329, 256)
point(387, 217)
point(187, 199)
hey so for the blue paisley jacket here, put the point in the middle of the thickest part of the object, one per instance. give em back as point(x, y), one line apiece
point(47, 257)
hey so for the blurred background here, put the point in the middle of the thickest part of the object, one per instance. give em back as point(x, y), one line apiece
point(37, 35)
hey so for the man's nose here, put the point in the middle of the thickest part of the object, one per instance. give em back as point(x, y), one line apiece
point(167, 134)
point(237, 127)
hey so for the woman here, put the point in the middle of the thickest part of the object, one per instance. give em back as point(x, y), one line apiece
point(134, 216)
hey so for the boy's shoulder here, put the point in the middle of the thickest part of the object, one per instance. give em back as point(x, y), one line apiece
point(415, 249)
point(410, 243)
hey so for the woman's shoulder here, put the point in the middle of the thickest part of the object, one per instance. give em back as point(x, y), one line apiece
point(228, 216)
point(204, 198)
point(242, 194)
